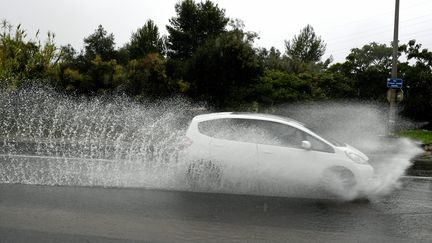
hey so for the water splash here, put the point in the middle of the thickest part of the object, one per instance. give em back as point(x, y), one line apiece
point(48, 138)
point(362, 125)
point(51, 139)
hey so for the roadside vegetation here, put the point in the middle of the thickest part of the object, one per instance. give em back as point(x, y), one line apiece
point(208, 56)
point(423, 136)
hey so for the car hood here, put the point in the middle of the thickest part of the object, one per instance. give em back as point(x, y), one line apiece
point(349, 148)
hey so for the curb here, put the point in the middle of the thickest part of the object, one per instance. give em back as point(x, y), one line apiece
point(421, 166)
point(418, 177)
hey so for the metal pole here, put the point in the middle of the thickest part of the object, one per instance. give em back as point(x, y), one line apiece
point(392, 92)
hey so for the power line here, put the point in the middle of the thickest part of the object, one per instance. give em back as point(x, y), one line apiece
point(379, 30)
point(386, 41)
point(384, 13)
point(347, 50)
point(406, 24)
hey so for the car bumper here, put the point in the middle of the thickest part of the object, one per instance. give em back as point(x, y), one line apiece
point(364, 175)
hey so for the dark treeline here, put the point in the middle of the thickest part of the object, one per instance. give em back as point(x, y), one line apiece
point(210, 57)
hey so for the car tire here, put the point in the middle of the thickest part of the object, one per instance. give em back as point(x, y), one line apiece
point(204, 175)
point(339, 182)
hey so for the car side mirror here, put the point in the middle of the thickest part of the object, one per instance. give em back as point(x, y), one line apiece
point(306, 145)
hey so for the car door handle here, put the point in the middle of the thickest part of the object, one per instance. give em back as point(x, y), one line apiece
point(267, 152)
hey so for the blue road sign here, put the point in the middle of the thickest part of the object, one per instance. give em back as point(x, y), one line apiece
point(394, 83)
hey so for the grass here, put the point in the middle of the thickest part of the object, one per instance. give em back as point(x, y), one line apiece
point(423, 136)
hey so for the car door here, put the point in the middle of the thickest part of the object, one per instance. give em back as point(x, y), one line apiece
point(283, 161)
point(231, 148)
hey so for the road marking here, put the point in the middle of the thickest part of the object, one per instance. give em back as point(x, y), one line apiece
point(417, 177)
point(53, 157)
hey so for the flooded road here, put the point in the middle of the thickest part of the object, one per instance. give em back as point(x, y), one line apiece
point(30, 213)
point(74, 169)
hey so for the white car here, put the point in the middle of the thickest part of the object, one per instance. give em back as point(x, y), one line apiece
point(228, 145)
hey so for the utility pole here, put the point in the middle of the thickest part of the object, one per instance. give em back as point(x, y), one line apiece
point(392, 92)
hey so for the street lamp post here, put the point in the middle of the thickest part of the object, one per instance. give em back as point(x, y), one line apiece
point(392, 91)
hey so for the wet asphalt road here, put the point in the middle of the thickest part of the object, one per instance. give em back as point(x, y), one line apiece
point(31, 213)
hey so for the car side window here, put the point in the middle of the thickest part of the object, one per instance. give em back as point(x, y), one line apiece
point(254, 131)
point(282, 135)
point(279, 134)
point(236, 129)
point(261, 132)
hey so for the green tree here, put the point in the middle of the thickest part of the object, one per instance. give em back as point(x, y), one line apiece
point(369, 67)
point(222, 70)
point(96, 68)
point(73, 80)
point(277, 86)
point(102, 76)
point(333, 85)
point(22, 59)
point(145, 40)
point(101, 44)
point(414, 50)
point(273, 59)
point(305, 50)
point(147, 77)
point(194, 24)
point(417, 75)
point(69, 54)
point(373, 56)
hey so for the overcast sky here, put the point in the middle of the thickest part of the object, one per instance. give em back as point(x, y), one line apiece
point(342, 24)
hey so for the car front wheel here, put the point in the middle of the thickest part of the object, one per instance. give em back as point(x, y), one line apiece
point(339, 182)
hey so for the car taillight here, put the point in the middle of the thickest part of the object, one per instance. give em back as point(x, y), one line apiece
point(186, 142)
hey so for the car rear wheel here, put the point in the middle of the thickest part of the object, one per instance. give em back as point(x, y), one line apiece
point(204, 175)
point(339, 182)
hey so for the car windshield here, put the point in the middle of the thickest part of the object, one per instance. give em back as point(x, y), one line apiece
point(335, 142)
point(331, 140)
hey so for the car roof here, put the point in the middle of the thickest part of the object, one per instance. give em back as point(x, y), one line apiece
point(246, 115)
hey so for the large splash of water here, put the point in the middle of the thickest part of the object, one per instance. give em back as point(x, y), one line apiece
point(48, 138)
point(52, 139)
point(363, 125)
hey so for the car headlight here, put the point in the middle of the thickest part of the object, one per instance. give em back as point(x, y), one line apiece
point(355, 157)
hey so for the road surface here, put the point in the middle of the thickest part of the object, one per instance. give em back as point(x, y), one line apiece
point(30, 213)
